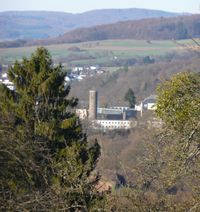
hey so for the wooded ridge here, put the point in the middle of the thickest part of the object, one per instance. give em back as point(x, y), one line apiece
point(44, 24)
point(183, 27)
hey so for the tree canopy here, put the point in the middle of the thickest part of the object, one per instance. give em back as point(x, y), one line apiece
point(167, 171)
point(46, 162)
point(178, 101)
point(130, 98)
point(178, 106)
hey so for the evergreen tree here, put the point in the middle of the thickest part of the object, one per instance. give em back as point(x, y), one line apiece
point(44, 151)
point(130, 97)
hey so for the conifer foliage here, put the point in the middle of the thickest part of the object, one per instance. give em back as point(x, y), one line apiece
point(45, 159)
point(130, 98)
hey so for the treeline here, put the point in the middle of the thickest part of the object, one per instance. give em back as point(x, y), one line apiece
point(147, 29)
point(13, 44)
point(177, 28)
point(155, 29)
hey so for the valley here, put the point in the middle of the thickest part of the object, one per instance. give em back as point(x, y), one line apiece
point(100, 112)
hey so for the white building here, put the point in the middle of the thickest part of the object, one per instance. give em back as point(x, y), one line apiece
point(4, 75)
point(151, 106)
point(149, 103)
point(93, 68)
point(75, 69)
point(6, 81)
point(82, 113)
point(113, 124)
point(67, 79)
point(138, 107)
point(114, 117)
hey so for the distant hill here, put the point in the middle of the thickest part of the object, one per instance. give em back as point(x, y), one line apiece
point(176, 28)
point(39, 25)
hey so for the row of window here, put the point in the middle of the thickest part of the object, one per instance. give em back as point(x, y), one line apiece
point(114, 122)
point(114, 127)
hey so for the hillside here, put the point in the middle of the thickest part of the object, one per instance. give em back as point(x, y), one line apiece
point(142, 79)
point(147, 29)
point(34, 25)
point(175, 28)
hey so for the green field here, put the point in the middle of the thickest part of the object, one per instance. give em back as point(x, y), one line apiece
point(97, 52)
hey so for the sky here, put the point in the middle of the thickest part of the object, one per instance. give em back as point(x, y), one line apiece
point(79, 6)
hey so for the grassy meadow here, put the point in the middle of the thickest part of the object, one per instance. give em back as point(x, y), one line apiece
point(96, 52)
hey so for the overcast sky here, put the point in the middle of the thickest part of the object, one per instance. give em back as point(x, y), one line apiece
point(78, 6)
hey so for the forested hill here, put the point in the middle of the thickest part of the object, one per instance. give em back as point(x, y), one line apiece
point(175, 28)
point(32, 24)
point(147, 29)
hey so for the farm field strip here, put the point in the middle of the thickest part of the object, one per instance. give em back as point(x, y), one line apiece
point(103, 49)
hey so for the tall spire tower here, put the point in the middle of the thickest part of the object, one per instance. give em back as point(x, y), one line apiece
point(92, 104)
